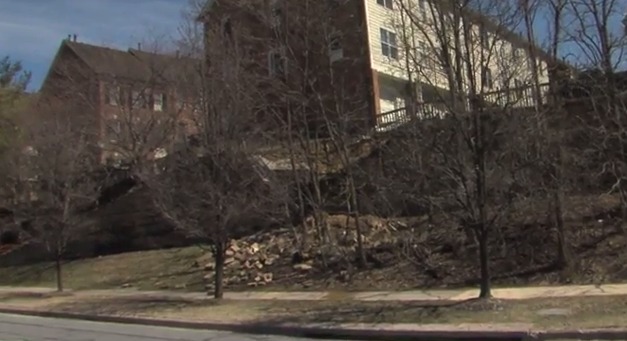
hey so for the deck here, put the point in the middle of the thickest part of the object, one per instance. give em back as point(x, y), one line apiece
point(519, 98)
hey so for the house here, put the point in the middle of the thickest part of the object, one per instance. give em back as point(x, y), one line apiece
point(120, 93)
point(369, 59)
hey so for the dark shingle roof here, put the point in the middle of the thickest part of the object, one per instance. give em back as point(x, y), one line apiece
point(133, 64)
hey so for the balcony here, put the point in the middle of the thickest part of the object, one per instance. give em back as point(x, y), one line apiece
point(519, 98)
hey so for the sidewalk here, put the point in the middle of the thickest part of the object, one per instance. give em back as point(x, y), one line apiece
point(200, 316)
point(404, 296)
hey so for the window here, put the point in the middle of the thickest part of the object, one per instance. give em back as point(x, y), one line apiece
point(158, 102)
point(138, 100)
point(444, 56)
point(519, 88)
point(485, 40)
point(516, 54)
point(113, 95)
point(422, 5)
point(423, 55)
point(277, 63)
point(386, 3)
point(486, 77)
point(335, 47)
point(388, 44)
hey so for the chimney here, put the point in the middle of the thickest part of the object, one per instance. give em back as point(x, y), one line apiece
point(74, 37)
point(69, 37)
point(139, 46)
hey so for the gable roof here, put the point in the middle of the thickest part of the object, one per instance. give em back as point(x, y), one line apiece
point(107, 61)
point(133, 64)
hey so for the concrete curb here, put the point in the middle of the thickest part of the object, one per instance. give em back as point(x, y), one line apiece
point(334, 332)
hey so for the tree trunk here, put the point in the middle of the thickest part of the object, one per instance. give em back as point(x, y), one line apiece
point(59, 273)
point(562, 258)
point(360, 244)
point(219, 256)
point(486, 291)
point(361, 253)
point(623, 209)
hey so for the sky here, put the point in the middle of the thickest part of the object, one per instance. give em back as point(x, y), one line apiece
point(32, 30)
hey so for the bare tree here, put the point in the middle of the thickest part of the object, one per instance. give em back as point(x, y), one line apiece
point(598, 46)
point(549, 132)
point(458, 53)
point(213, 186)
point(54, 179)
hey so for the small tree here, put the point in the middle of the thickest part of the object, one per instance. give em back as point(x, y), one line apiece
point(465, 145)
point(213, 186)
point(53, 180)
point(599, 46)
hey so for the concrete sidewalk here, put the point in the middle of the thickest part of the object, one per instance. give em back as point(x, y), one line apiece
point(406, 296)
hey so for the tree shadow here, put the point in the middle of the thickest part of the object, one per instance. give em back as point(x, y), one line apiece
point(128, 306)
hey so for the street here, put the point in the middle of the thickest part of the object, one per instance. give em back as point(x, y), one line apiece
point(27, 328)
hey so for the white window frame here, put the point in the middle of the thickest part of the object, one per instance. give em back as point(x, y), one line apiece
point(389, 4)
point(157, 101)
point(389, 43)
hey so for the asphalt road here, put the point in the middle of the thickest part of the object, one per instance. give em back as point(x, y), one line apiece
point(26, 328)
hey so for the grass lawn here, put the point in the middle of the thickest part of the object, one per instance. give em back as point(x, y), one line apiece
point(170, 269)
point(557, 313)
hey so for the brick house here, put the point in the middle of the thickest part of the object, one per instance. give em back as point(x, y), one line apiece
point(114, 91)
point(353, 48)
point(314, 70)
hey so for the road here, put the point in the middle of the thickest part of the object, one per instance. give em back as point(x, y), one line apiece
point(27, 328)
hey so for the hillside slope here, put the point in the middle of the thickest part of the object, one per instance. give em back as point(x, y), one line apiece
point(403, 253)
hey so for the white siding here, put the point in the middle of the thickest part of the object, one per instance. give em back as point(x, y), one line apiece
point(501, 63)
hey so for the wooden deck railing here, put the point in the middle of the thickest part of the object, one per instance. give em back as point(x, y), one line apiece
point(521, 97)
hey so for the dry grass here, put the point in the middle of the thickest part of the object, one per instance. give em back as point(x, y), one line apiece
point(582, 312)
point(172, 269)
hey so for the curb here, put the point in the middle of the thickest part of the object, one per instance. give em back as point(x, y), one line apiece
point(322, 332)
